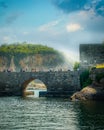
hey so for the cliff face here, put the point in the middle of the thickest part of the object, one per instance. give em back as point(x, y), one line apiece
point(3, 63)
point(29, 63)
point(28, 57)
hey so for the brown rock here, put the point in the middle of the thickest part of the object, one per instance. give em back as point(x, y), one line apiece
point(88, 93)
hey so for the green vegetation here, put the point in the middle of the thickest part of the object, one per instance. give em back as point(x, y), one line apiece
point(25, 48)
point(84, 78)
point(76, 65)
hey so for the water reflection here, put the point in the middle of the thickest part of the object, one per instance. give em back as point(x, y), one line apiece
point(90, 115)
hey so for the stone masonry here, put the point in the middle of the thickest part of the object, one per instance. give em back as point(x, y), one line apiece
point(91, 54)
point(11, 83)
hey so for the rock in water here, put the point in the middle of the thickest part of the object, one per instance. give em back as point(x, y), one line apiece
point(89, 93)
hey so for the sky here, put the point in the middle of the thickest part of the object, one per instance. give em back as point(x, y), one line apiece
point(61, 24)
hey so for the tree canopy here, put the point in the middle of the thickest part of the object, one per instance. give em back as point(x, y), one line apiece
point(76, 65)
point(26, 48)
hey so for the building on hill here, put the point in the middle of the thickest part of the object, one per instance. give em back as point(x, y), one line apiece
point(91, 55)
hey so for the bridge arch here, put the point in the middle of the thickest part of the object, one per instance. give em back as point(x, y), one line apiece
point(33, 86)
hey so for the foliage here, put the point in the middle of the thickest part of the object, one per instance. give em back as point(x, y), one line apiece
point(25, 48)
point(76, 65)
point(84, 78)
point(87, 82)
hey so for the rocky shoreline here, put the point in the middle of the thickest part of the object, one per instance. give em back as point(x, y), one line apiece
point(95, 91)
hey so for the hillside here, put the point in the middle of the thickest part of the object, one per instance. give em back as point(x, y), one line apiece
point(28, 57)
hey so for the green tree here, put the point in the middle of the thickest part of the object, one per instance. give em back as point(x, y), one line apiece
point(76, 65)
point(84, 78)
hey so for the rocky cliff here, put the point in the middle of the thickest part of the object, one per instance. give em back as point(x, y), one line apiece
point(29, 57)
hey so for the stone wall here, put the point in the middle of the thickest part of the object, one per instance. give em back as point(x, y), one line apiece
point(95, 72)
point(91, 54)
point(60, 81)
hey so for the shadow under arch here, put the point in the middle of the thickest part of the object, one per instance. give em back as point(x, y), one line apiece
point(27, 82)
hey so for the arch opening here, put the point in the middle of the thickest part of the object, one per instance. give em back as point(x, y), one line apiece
point(34, 88)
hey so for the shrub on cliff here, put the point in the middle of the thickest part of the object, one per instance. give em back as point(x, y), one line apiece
point(26, 48)
point(84, 78)
point(76, 65)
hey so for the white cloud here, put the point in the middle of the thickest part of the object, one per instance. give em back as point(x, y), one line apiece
point(86, 14)
point(6, 39)
point(73, 27)
point(25, 33)
point(48, 26)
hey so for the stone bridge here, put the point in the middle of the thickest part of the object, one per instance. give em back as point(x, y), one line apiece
point(13, 83)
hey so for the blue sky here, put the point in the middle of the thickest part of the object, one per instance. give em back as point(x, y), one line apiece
point(62, 24)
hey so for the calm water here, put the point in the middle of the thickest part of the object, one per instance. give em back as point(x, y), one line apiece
point(50, 114)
